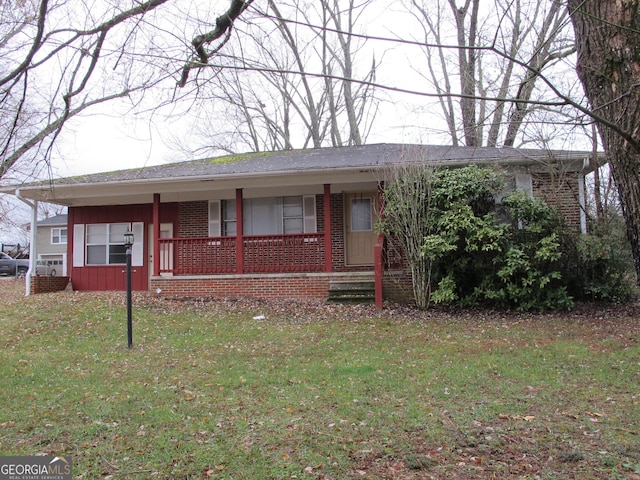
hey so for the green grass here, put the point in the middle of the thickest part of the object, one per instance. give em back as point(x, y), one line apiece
point(316, 391)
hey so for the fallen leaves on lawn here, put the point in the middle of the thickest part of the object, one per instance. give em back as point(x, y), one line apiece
point(526, 418)
point(594, 416)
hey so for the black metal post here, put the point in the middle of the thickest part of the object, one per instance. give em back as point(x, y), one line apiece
point(129, 322)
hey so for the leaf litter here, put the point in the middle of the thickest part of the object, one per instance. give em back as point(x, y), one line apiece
point(507, 444)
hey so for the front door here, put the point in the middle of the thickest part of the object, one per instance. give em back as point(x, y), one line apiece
point(360, 216)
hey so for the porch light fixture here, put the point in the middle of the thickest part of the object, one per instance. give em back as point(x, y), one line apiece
point(128, 239)
point(128, 243)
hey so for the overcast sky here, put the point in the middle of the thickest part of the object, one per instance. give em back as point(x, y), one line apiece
point(110, 139)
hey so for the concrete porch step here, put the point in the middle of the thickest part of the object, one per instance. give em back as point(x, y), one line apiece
point(357, 291)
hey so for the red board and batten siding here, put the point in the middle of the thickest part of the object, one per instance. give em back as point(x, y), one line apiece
point(113, 277)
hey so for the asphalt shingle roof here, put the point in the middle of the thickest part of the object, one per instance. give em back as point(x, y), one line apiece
point(55, 220)
point(363, 156)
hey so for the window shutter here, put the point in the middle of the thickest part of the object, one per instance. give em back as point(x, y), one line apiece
point(309, 213)
point(78, 245)
point(214, 218)
point(137, 250)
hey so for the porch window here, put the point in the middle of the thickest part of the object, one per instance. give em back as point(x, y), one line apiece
point(229, 228)
point(105, 243)
point(292, 217)
point(58, 236)
point(264, 216)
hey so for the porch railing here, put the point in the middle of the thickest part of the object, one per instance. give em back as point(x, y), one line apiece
point(261, 254)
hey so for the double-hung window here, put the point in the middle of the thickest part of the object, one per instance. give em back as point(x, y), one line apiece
point(58, 236)
point(264, 216)
point(292, 215)
point(105, 243)
point(229, 227)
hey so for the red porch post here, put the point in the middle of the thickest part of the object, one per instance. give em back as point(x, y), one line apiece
point(156, 235)
point(328, 255)
point(239, 234)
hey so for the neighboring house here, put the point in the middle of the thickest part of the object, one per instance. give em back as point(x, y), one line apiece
point(51, 246)
point(281, 225)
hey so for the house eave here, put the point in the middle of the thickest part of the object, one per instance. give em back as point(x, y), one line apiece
point(185, 188)
point(71, 192)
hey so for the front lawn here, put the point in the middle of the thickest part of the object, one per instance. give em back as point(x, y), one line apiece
point(256, 390)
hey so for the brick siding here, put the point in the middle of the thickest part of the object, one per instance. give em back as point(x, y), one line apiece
point(560, 190)
point(193, 219)
point(398, 286)
point(337, 231)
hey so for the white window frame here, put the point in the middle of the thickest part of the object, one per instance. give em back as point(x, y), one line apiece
point(107, 243)
point(56, 232)
point(215, 224)
point(229, 223)
point(221, 223)
point(290, 203)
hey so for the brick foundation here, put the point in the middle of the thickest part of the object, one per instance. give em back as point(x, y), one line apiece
point(48, 284)
point(304, 286)
point(398, 287)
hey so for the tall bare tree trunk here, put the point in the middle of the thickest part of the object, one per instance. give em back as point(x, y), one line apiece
point(514, 45)
point(467, 58)
point(310, 103)
point(543, 54)
point(502, 50)
point(432, 25)
point(607, 39)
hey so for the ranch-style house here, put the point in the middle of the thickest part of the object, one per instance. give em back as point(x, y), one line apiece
point(290, 224)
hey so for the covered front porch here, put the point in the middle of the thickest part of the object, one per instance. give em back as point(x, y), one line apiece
point(287, 265)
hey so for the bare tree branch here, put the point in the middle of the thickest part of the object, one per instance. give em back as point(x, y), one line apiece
point(224, 24)
point(72, 56)
point(35, 44)
point(52, 127)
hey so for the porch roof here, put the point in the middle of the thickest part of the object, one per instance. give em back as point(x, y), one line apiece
point(305, 170)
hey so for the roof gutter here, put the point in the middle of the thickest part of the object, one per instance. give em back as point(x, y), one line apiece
point(32, 241)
